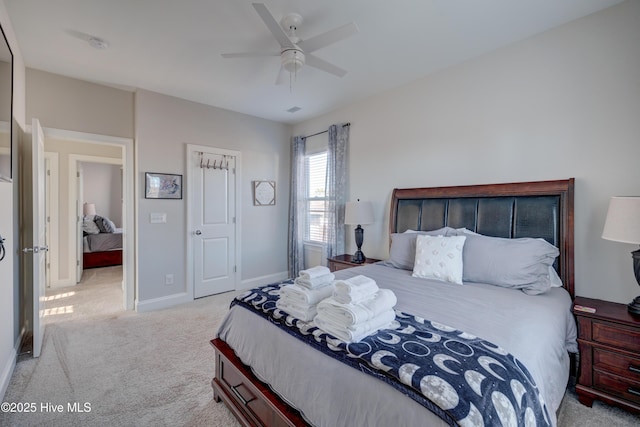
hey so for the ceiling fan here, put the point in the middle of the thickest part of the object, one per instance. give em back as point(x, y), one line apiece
point(295, 52)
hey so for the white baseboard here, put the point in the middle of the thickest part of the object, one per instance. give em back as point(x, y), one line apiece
point(263, 280)
point(62, 283)
point(181, 298)
point(163, 302)
point(7, 371)
point(9, 366)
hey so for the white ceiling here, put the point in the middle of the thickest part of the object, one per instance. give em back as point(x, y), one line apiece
point(174, 46)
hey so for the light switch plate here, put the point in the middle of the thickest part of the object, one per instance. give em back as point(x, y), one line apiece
point(158, 218)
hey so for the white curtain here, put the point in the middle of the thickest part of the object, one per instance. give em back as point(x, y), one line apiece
point(336, 189)
point(335, 193)
point(297, 206)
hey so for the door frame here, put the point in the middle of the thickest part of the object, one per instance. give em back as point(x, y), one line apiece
point(76, 201)
point(130, 282)
point(191, 153)
point(52, 166)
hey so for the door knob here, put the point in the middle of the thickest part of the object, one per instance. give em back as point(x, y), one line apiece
point(198, 232)
point(36, 249)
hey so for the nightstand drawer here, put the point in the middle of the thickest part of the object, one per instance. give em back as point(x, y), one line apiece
point(625, 366)
point(617, 336)
point(618, 386)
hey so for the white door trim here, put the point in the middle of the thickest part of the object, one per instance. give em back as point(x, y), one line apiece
point(191, 149)
point(74, 160)
point(53, 196)
point(129, 219)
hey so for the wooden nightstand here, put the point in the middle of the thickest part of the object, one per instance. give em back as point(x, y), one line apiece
point(609, 342)
point(340, 262)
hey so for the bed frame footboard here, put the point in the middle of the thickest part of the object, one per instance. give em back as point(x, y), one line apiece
point(249, 399)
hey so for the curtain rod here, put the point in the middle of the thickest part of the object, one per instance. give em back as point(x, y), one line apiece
point(325, 131)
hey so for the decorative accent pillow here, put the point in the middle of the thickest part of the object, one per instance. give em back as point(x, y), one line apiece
point(512, 263)
point(89, 226)
point(439, 258)
point(402, 253)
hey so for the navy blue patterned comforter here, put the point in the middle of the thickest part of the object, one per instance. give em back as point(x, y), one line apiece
point(464, 379)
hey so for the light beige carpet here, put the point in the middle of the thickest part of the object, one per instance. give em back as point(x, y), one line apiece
point(134, 369)
point(151, 369)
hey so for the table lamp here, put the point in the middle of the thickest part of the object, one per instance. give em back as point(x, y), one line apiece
point(89, 209)
point(358, 213)
point(623, 225)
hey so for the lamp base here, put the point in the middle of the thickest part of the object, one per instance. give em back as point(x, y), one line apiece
point(358, 257)
point(634, 307)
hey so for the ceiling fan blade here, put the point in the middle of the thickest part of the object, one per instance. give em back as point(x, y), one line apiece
point(328, 38)
point(249, 54)
point(273, 25)
point(321, 64)
point(282, 76)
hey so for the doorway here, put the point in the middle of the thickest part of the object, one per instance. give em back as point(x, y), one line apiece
point(125, 147)
point(99, 202)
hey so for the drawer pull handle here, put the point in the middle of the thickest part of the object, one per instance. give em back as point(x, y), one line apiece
point(634, 369)
point(632, 391)
point(239, 396)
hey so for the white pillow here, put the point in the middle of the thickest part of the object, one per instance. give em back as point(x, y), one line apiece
point(88, 226)
point(439, 258)
point(556, 281)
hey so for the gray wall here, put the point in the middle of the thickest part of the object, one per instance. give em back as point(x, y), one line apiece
point(102, 185)
point(164, 125)
point(65, 103)
point(562, 104)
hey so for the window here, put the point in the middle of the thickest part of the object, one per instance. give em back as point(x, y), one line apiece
point(316, 171)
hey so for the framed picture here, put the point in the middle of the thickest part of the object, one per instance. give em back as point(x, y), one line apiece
point(162, 186)
point(264, 193)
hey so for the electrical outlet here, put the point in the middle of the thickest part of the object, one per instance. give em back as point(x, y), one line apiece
point(168, 279)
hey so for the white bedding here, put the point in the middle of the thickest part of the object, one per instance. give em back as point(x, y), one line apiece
point(538, 330)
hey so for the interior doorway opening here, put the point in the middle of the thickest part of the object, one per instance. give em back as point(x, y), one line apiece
point(81, 151)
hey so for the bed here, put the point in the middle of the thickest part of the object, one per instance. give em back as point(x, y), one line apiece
point(268, 376)
point(101, 243)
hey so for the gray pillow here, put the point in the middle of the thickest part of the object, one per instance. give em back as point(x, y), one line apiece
point(402, 253)
point(512, 263)
point(105, 225)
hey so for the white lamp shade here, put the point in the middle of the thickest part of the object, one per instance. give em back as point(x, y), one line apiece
point(89, 209)
point(623, 220)
point(358, 213)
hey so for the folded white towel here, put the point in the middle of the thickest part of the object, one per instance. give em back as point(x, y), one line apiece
point(351, 314)
point(299, 311)
point(313, 272)
point(315, 282)
point(355, 289)
point(357, 332)
point(304, 295)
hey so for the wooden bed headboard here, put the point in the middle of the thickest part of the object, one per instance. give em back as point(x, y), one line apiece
point(523, 209)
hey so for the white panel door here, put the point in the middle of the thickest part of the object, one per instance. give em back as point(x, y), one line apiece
point(39, 247)
point(213, 218)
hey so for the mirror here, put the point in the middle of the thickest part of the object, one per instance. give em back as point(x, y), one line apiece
point(6, 118)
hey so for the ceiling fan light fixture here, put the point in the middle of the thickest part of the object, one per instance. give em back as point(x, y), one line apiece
point(292, 60)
